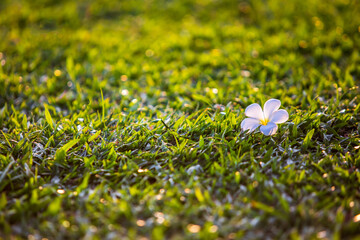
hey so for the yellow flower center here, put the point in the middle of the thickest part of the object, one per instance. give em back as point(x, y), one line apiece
point(264, 121)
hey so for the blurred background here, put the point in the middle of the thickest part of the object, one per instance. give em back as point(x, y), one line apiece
point(174, 54)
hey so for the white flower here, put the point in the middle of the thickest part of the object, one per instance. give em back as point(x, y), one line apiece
point(266, 119)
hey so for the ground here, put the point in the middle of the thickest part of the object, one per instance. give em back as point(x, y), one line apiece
point(121, 119)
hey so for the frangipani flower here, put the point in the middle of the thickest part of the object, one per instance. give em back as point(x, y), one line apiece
point(266, 119)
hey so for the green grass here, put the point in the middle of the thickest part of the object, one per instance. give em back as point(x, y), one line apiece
point(121, 119)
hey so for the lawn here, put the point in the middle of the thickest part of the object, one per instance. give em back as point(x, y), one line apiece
point(122, 119)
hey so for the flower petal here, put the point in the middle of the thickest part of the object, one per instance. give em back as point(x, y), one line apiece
point(279, 116)
point(254, 111)
point(271, 106)
point(269, 129)
point(250, 124)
